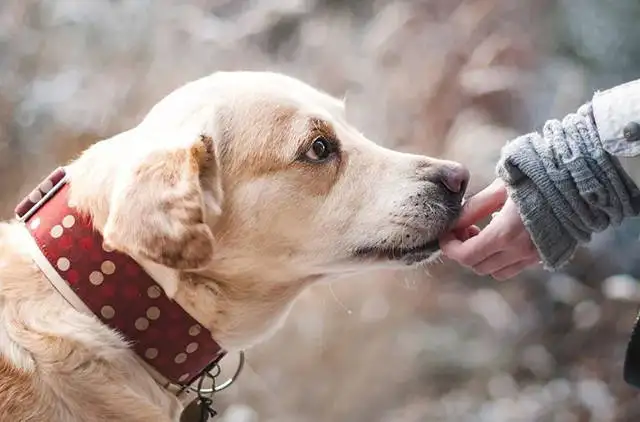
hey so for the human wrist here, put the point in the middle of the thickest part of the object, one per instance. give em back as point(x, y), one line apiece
point(566, 185)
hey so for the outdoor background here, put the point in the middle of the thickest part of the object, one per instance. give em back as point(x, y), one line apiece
point(451, 78)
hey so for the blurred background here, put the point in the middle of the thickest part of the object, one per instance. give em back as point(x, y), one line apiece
point(451, 78)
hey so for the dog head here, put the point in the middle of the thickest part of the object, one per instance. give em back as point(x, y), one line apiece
point(261, 173)
point(239, 189)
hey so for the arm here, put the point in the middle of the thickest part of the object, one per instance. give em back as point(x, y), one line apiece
point(568, 182)
point(555, 189)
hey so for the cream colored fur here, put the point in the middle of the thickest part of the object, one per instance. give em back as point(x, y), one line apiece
point(217, 174)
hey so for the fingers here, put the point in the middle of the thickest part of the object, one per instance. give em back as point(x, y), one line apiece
point(502, 261)
point(514, 269)
point(469, 252)
point(494, 263)
point(478, 248)
point(483, 204)
point(466, 233)
point(502, 249)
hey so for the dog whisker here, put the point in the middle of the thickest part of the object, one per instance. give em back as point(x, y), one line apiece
point(338, 301)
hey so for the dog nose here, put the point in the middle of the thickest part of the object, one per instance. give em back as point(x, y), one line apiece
point(455, 178)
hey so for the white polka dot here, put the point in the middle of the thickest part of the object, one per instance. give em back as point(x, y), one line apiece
point(154, 292)
point(96, 278)
point(35, 223)
point(151, 353)
point(107, 312)
point(153, 313)
point(180, 358)
point(108, 267)
point(68, 221)
point(56, 231)
point(35, 196)
point(46, 186)
point(183, 377)
point(142, 324)
point(192, 347)
point(106, 247)
point(63, 264)
point(194, 330)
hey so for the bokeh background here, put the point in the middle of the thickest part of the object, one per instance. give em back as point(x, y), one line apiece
point(451, 78)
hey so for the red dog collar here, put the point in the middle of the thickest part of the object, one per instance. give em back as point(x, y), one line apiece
point(114, 287)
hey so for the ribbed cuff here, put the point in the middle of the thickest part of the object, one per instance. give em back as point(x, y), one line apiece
point(566, 186)
point(554, 243)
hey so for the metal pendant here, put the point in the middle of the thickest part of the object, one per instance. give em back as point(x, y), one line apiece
point(197, 411)
point(201, 409)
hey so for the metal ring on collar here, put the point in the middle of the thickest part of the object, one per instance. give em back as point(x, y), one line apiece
point(227, 383)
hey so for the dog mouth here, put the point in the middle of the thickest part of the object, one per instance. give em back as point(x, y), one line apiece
point(419, 251)
point(409, 255)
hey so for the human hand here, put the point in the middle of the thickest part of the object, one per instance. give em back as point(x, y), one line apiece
point(503, 248)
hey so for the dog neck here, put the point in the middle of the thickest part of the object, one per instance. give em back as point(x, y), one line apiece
point(240, 312)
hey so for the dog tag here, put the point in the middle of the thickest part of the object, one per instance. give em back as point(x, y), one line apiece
point(197, 411)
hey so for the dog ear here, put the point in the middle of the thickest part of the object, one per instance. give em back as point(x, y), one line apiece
point(162, 209)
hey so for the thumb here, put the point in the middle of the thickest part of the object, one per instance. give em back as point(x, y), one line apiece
point(483, 204)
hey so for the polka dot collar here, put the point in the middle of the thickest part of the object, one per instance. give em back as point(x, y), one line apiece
point(112, 286)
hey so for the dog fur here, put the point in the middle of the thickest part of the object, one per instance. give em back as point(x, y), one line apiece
point(239, 217)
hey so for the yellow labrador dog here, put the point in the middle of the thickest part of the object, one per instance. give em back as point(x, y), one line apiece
point(235, 193)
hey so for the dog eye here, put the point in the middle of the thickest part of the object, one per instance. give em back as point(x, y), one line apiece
point(320, 150)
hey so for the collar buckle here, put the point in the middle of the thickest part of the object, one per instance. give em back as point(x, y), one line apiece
point(213, 372)
point(40, 195)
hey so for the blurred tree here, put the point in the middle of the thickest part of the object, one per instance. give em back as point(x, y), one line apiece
point(603, 36)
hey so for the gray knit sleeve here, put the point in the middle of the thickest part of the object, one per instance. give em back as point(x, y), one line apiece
point(566, 185)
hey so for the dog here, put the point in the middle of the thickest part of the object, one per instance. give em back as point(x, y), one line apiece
point(235, 193)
